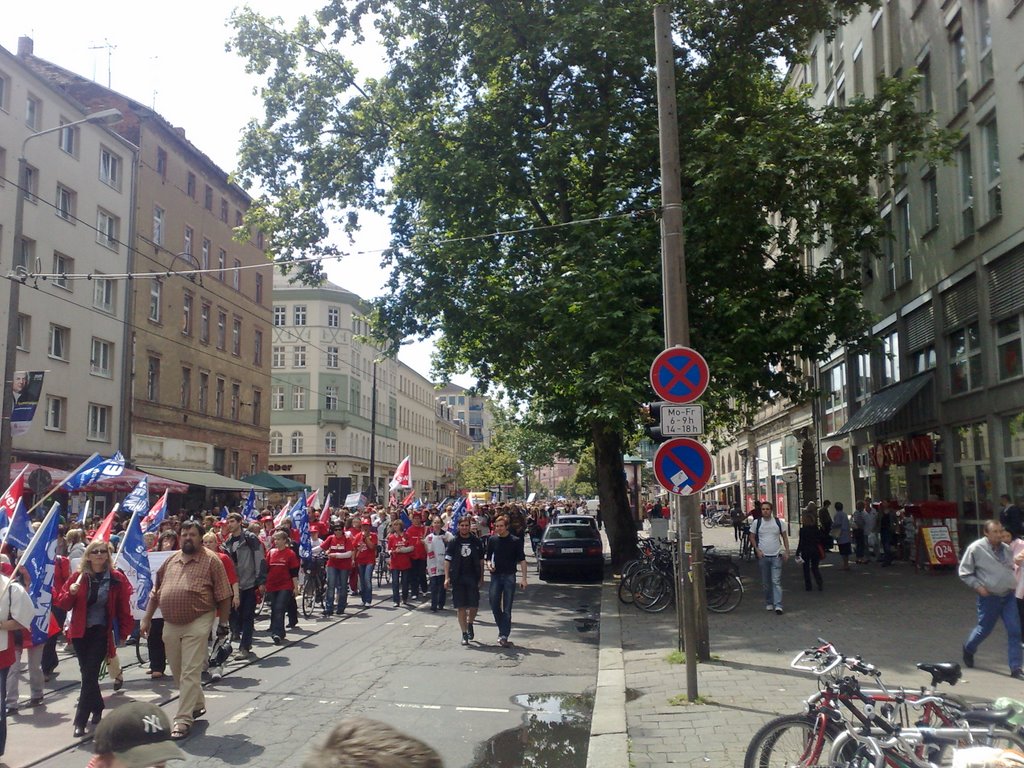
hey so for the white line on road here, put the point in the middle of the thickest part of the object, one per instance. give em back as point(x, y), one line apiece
point(418, 706)
point(480, 709)
point(243, 714)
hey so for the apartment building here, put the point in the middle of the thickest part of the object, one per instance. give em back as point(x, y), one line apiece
point(198, 306)
point(937, 411)
point(472, 410)
point(71, 259)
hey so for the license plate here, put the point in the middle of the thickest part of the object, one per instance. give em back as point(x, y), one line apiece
point(573, 550)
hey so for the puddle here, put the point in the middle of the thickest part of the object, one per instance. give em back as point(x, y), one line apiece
point(555, 734)
point(632, 694)
point(587, 624)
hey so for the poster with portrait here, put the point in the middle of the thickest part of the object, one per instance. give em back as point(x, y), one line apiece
point(26, 387)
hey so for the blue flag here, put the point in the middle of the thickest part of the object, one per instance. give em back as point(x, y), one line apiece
point(92, 469)
point(457, 511)
point(406, 522)
point(249, 510)
point(134, 561)
point(224, 512)
point(19, 531)
point(84, 513)
point(418, 504)
point(300, 516)
point(38, 560)
point(137, 502)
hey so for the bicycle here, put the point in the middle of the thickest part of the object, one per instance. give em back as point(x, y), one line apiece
point(314, 587)
point(652, 588)
point(747, 548)
point(721, 517)
point(383, 567)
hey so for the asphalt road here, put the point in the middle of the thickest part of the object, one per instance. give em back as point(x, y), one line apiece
point(404, 667)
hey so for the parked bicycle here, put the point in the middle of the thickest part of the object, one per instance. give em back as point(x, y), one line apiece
point(650, 584)
point(719, 517)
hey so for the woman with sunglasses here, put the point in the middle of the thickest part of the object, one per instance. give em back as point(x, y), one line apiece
point(97, 596)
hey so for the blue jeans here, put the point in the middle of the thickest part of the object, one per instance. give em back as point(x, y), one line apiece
point(400, 582)
point(366, 582)
point(502, 592)
point(990, 609)
point(771, 579)
point(337, 584)
point(278, 608)
point(243, 617)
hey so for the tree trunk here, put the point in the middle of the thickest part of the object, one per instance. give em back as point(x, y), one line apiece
point(611, 490)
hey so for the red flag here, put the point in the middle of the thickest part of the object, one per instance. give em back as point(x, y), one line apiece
point(403, 475)
point(325, 515)
point(106, 527)
point(311, 499)
point(9, 501)
point(283, 513)
point(408, 499)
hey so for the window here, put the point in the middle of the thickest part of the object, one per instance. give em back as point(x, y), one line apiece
point(3, 155)
point(186, 387)
point(965, 371)
point(931, 197)
point(204, 391)
point(56, 410)
point(236, 337)
point(155, 295)
point(60, 338)
point(890, 359)
point(257, 406)
point(236, 275)
point(280, 313)
point(298, 398)
point(889, 253)
point(983, 22)
point(257, 348)
point(110, 168)
point(208, 198)
point(224, 210)
point(24, 332)
point(26, 256)
point(99, 422)
point(333, 317)
point(62, 267)
point(276, 443)
point(259, 240)
point(993, 185)
point(222, 257)
point(103, 294)
point(65, 203)
point(331, 443)
point(965, 174)
point(277, 397)
point(238, 218)
point(332, 357)
point(205, 262)
point(1009, 348)
point(33, 112)
point(296, 442)
point(926, 98)
point(812, 69)
point(903, 239)
point(161, 163)
point(190, 185)
point(277, 355)
point(299, 314)
point(222, 329)
point(331, 398)
point(153, 379)
point(958, 57)
point(100, 358)
point(923, 359)
point(189, 234)
point(187, 302)
point(107, 226)
point(834, 384)
point(258, 295)
point(5, 90)
point(236, 399)
point(299, 356)
point(158, 225)
point(218, 399)
point(204, 324)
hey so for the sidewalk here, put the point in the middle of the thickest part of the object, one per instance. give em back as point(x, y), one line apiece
point(893, 617)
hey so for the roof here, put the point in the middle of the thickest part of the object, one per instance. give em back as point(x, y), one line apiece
point(884, 405)
point(202, 478)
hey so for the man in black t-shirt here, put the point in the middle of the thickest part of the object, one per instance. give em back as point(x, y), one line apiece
point(464, 574)
point(504, 555)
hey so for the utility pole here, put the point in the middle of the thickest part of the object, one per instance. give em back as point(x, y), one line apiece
point(690, 554)
point(371, 495)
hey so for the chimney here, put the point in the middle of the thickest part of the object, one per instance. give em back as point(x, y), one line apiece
point(25, 46)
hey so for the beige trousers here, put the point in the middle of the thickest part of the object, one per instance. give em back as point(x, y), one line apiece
point(187, 646)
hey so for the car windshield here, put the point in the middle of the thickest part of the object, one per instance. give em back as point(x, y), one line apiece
point(568, 532)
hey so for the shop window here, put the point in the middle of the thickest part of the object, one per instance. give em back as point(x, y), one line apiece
point(974, 484)
point(1008, 348)
point(1013, 451)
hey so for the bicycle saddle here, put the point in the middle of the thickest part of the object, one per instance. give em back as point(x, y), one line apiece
point(941, 672)
point(988, 716)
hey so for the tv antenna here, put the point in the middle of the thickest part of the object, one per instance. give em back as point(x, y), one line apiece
point(110, 47)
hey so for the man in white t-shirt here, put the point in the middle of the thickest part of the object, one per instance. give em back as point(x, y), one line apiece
point(772, 547)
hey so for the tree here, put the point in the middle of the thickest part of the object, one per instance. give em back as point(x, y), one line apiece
point(488, 467)
point(516, 146)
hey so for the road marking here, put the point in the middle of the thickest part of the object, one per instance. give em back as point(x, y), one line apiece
point(418, 706)
point(241, 715)
point(480, 709)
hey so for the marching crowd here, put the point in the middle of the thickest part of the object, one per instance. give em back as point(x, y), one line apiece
point(217, 570)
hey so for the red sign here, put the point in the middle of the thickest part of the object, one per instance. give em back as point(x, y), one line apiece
point(917, 449)
point(682, 466)
point(679, 375)
point(835, 454)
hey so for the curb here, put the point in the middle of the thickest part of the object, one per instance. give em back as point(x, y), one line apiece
point(609, 744)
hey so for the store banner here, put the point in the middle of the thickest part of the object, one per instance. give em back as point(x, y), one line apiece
point(939, 545)
point(26, 389)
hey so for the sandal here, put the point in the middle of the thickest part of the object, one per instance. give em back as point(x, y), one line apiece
point(197, 713)
point(180, 731)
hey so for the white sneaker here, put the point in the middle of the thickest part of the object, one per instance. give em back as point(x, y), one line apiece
point(216, 673)
point(769, 607)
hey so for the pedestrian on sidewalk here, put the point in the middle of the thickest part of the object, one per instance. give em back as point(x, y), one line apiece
point(338, 548)
point(365, 545)
point(504, 555)
point(191, 590)
point(809, 549)
point(282, 581)
point(842, 535)
point(249, 558)
point(464, 575)
point(987, 568)
point(400, 550)
point(859, 530)
point(437, 543)
point(771, 544)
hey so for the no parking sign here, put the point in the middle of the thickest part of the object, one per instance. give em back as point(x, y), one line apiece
point(682, 466)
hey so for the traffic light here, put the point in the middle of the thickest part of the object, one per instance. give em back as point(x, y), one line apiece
point(651, 418)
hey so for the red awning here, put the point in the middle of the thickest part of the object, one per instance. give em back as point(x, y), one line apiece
point(124, 482)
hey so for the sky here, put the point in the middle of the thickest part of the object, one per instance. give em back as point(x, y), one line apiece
point(172, 58)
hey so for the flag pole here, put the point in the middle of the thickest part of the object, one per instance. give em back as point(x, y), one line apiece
point(10, 520)
point(31, 545)
point(117, 555)
point(60, 485)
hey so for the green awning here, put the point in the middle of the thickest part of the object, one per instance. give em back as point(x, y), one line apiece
point(203, 478)
point(276, 482)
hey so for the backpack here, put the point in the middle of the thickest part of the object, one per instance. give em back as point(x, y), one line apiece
point(757, 528)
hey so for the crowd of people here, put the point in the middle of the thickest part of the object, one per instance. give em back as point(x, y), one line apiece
point(216, 570)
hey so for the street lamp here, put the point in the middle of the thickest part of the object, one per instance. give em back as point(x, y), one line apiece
point(103, 116)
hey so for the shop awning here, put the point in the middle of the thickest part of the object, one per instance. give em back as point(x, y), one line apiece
point(128, 479)
point(276, 482)
point(884, 405)
point(203, 478)
point(720, 486)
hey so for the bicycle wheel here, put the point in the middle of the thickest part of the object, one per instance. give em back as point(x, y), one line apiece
point(789, 741)
point(707, 522)
point(142, 651)
point(309, 596)
point(724, 593)
point(652, 591)
point(626, 590)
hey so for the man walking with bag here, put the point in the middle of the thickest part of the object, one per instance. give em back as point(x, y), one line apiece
point(771, 544)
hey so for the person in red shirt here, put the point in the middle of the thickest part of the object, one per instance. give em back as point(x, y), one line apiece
point(365, 545)
point(338, 549)
point(400, 549)
point(418, 573)
point(282, 581)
